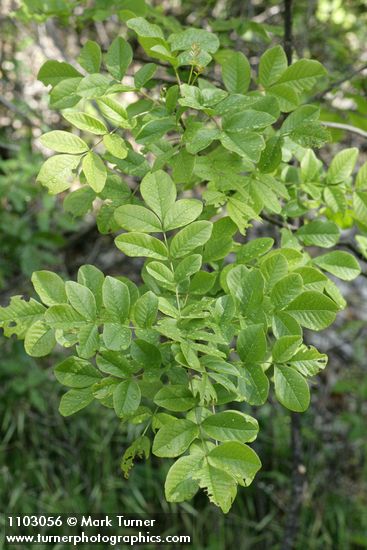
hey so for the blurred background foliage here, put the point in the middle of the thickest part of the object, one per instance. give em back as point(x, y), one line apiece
point(54, 465)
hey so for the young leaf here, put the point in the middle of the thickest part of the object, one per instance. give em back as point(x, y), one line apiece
point(341, 264)
point(57, 172)
point(126, 398)
point(237, 459)
point(190, 238)
point(220, 486)
point(140, 244)
point(313, 310)
point(253, 384)
point(174, 438)
point(115, 145)
point(82, 299)
point(49, 287)
point(180, 485)
point(137, 218)
point(90, 57)
point(53, 72)
point(251, 344)
point(319, 233)
point(116, 299)
point(236, 73)
point(39, 339)
point(118, 57)
point(64, 142)
point(230, 425)
point(159, 192)
point(176, 398)
point(95, 171)
point(291, 389)
point(146, 309)
point(272, 65)
point(76, 373)
point(183, 212)
point(86, 122)
point(75, 400)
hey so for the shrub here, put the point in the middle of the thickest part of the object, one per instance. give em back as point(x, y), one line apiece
point(187, 170)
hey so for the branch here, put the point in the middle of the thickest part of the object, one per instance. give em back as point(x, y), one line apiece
point(346, 127)
point(297, 481)
point(288, 42)
point(336, 83)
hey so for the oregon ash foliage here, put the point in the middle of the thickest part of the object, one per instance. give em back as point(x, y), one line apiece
point(215, 322)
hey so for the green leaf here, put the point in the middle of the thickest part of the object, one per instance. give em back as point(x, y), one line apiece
point(239, 460)
point(95, 171)
point(115, 145)
point(187, 267)
point(230, 425)
point(93, 86)
point(271, 156)
point(174, 438)
point(303, 115)
point(116, 337)
point(143, 28)
point(291, 389)
point(126, 398)
point(247, 286)
point(303, 74)
point(179, 485)
point(63, 142)
point(285, 348)
point(116, 299)
point(236, 73)
point(286, 290)
point(118, 57)
point(139, 448)
point(90, 57)
point(159, 192)
point(251, 344)
point(89, 341)
point(79, 202)
point(253, 384)
point(140, 244)
point(341, 264)
point(182, 213)
point(287, 97)
point(220, 486)
point(86, 122)
point(92, 277)
point(57, 172)
point(76, 373)
point(319, 233)
point(176, 398)
point(137, 218)
point(39, 340)
point(190, 238)
point(144, 74)
point(75, 400)
point(342, 165)
point(146, 309)
point(272, 65)
point(49, 287)
point(82, 299)
point(53, 72)
point(254, 249)
point(194, 38)
point(313, 310)
point(146, 354)
point(160, 272)
point(247, 120)
point(64, 317)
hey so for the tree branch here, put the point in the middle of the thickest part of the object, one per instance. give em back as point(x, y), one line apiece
point(297, 481)
point(346, 127)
